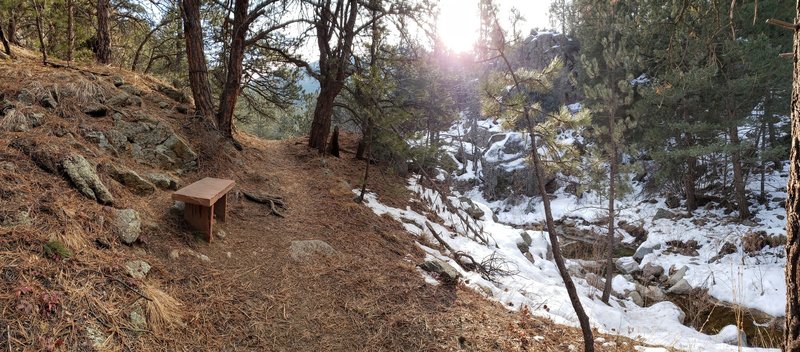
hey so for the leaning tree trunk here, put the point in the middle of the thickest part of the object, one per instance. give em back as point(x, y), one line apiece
point(39, 30)
point(791, 334)
point(103, 53)
point(233, 81)
point(588, 339)
point(198, 70)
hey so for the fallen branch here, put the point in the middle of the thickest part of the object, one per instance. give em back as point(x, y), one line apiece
point(472, 265)
point(273, 202)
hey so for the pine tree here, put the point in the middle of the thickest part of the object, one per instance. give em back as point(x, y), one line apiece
point(607, 66)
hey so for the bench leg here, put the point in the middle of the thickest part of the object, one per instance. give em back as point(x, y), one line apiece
point(221, 208)
point(200, 218)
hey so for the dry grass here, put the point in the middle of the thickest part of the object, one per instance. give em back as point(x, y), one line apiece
point(163, 311)
point(13, 121)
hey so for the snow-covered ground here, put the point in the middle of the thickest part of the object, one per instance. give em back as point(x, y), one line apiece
point(739, 278)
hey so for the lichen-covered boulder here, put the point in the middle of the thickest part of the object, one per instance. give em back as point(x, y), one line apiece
point(127, 225)
point(85, 179)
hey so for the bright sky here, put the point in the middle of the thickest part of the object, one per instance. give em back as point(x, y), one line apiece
point(459, 19)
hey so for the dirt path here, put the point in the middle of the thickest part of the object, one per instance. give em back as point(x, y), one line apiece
point(368, 297)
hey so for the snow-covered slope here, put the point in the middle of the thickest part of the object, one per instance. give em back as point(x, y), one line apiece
point(716, 259)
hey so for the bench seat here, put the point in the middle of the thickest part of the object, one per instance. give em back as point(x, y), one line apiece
point(204, 200)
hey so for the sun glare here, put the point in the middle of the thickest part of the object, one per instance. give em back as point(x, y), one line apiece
point(458, 24)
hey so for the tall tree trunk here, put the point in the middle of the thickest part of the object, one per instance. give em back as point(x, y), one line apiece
point(180, 51)
point(6, 46)
point(233, 81)
point(612, 178)
point(70, 29)
point(198, 69)
point(39, 30)
point(334, 63)
point(323, 112)
point(103, 53)
point(12, 24)
point(738, 174)
point(791, 333)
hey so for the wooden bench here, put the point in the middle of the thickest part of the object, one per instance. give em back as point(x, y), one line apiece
point(204, 199)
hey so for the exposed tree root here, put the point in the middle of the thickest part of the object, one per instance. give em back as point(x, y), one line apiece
point(274, 202)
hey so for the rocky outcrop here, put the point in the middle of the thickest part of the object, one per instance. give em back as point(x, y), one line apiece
point(506, 171)
point(131, 180)
point(152, 143)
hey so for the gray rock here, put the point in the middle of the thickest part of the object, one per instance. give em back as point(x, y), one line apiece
point(529, 257)
point(173, 93)
point(137, 269)
point(652, 272)
point(447, 273)
point(85, 179)
point(182, 108)
point(677, 276)
point(118, 81)
point(135, 101)
point(307, 250)
point(662, 213)
point(627, 265)
point(95, 110)
point(642, 251)
point(8, 166)
point(162, 181)
point(526, 238)
point(131, 180)
point(471, 209)
point(163, 104)
point(20, 218)
point(652, 294)
point(127, 225)
point(48, 102)
point(100, 139)
point(131, 89)
point(25, 96)
point(636, 298)
point(137, 317)
point(119, 100)
point(97, 337)
point(682, 287)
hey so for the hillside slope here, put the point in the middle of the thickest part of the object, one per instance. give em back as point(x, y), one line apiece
point(88, 160)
